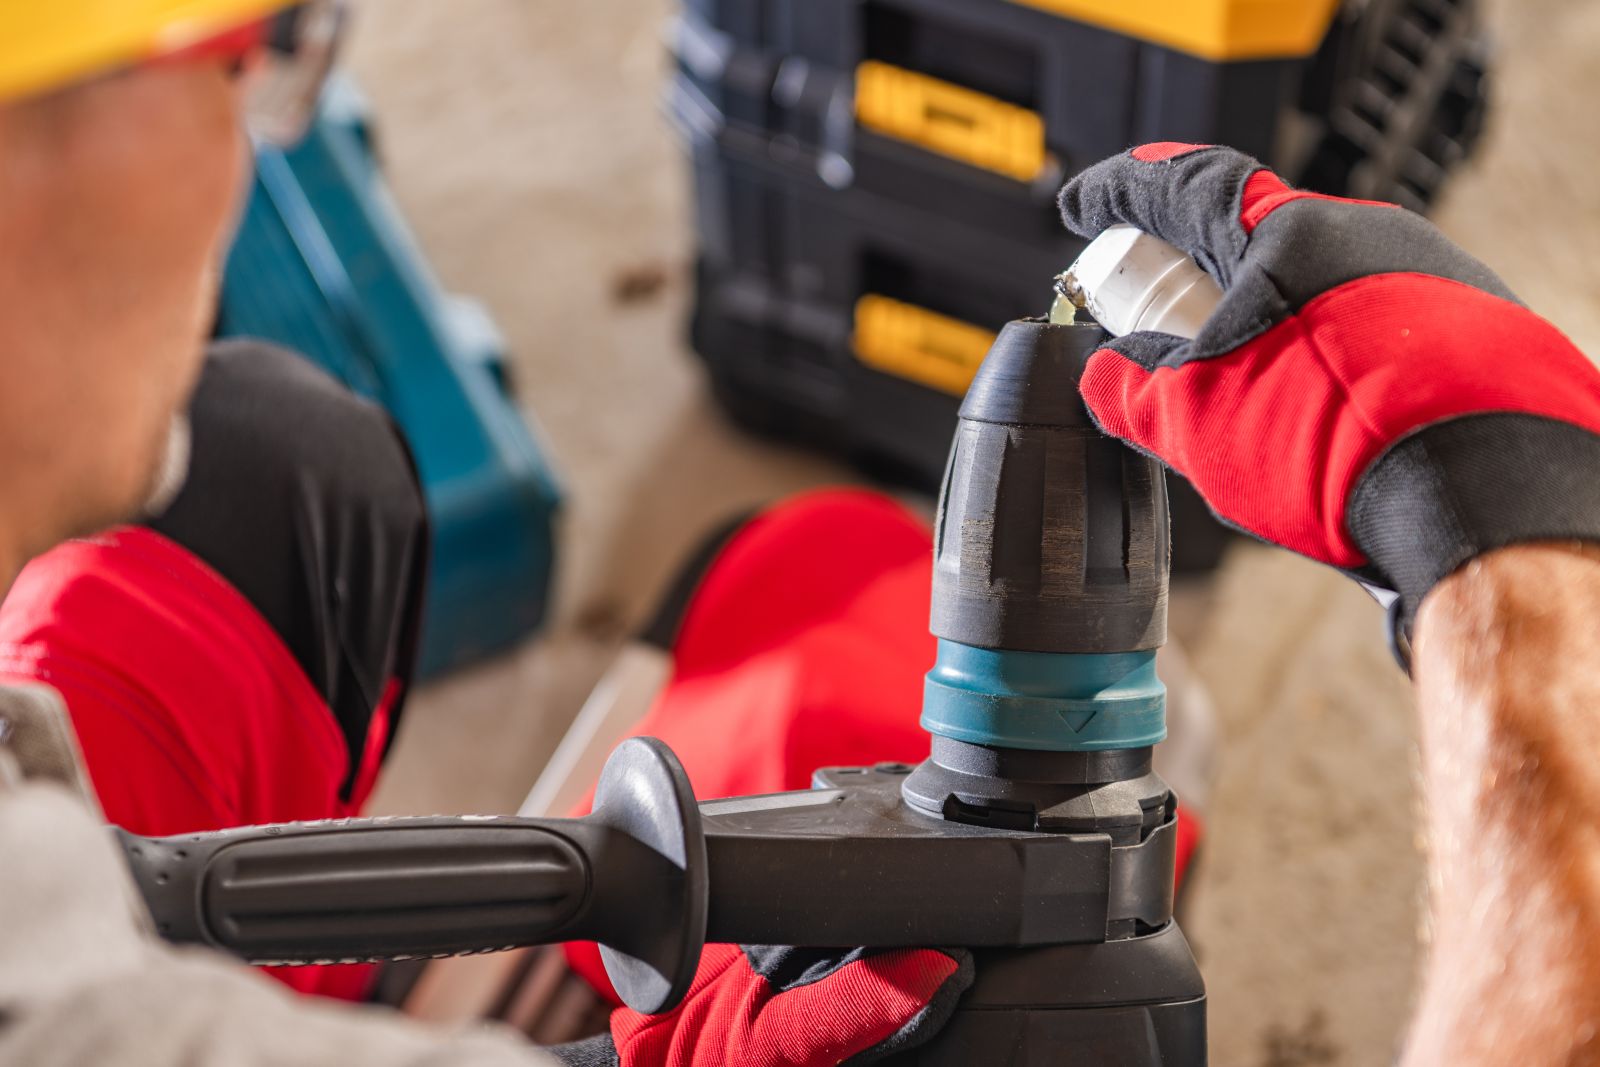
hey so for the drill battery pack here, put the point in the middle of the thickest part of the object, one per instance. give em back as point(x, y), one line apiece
point(325, 265)
point(874, 180)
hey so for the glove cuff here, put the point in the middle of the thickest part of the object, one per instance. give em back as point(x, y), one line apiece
point(1454, 490)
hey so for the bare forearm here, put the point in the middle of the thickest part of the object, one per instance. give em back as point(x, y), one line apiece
point(1508, 674)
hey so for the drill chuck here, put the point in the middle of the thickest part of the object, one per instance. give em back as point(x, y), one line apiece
point(1050, 562)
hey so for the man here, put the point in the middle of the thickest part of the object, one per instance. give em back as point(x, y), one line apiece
point(115, 195)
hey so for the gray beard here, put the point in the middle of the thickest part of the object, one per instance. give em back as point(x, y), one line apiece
point(173, 469)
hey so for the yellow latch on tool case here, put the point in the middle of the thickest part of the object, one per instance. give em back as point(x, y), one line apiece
point(960, 123)
point(919, 345)
point(1212, 29)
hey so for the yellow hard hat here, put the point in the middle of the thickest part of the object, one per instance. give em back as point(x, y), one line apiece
point(47, 44)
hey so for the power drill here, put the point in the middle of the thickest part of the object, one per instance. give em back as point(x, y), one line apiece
point(1036, 833)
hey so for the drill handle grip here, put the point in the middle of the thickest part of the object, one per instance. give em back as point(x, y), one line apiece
point(361, 889)
point(631, 876)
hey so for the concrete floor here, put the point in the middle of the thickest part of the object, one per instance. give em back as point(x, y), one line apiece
point(525, 144)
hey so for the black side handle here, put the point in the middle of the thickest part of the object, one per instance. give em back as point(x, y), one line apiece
point(631, 876)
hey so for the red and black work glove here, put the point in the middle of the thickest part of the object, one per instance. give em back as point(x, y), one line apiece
point(1366, 394)
point(789, 1007)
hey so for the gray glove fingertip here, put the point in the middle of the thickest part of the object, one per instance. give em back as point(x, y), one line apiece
point(1149, 349)
point(1190, 200)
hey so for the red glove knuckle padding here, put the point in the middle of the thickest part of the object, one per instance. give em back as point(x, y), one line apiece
point(1265, 192)
point(1161, 151)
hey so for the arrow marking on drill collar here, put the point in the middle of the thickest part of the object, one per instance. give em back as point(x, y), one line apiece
point(1077, 718)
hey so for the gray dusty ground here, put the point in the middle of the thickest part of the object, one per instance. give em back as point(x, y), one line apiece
point(523, 139)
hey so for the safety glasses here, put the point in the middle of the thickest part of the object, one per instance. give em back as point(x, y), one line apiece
point(284, 60)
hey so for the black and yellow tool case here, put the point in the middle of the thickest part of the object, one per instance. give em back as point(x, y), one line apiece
point(875, 179)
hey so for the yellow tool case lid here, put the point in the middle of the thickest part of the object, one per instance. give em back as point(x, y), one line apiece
point(1211, 29)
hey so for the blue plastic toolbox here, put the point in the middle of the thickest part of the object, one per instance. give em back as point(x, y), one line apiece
point(324, 264)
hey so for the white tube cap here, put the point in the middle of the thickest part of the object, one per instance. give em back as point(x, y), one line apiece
point(1130, 281)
